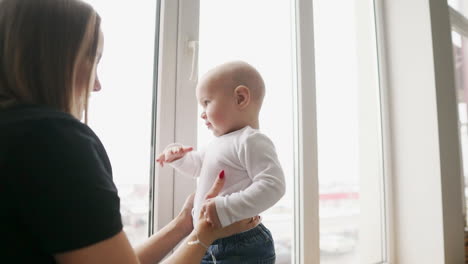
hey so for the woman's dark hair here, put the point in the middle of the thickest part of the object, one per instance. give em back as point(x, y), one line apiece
point(44, 46)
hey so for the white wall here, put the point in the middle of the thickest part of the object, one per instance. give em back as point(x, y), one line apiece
point(426, 165)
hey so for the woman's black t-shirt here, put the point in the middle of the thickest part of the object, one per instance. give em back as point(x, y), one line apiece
point(56, 188)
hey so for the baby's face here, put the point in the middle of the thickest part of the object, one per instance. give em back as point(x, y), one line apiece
point(220, 111)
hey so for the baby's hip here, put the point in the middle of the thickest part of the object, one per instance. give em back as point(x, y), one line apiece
point(253, 246)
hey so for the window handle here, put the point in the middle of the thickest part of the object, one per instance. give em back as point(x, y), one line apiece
point(193, 46)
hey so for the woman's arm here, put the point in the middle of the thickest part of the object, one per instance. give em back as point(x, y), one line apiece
point(193, 253)
point(189, 254)
point(117, 249)
point(161, 243)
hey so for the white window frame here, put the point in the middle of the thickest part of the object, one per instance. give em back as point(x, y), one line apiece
point(372, 170)
point(175, 92)
point(306, 206)
point(388, 195)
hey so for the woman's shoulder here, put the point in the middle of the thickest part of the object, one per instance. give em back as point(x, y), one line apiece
point(43, 123)
point(45, 134)
point(51, 143)
point(58, 175)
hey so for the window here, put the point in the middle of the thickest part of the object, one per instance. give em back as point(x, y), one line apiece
point(460, 57)
point(120, 113)
point(461, 6)
point(350, 160)
point(232, 30)
point(277, 38)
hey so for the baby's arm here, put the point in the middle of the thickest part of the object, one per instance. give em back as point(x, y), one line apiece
point(258, 156)
point(172, 153)
point(184, 159)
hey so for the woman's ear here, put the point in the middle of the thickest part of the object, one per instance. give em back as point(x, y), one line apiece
point(242, 94)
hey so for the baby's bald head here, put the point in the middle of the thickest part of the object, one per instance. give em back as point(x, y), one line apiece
point(233, 74)
point(231, 95)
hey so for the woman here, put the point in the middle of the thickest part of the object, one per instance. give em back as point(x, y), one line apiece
point(59, 203)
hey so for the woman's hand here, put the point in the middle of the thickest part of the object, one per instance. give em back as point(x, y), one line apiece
point(210, 213)
point(207, 232)
point(208, 209)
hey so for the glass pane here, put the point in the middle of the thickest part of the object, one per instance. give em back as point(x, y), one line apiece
point(260, 33)
point(460, 53)
point(120, 113)
point(459, 5)
point(349, 136)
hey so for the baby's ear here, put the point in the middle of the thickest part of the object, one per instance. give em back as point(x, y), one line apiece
point(242, 94)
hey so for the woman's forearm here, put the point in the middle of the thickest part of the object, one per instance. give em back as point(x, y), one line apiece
point(160, 244)
point(188, 254)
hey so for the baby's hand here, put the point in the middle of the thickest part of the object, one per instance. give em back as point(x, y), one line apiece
point(172, 152)
point(211, 215)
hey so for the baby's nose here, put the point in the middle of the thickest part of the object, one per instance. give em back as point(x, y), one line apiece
point(203, 115)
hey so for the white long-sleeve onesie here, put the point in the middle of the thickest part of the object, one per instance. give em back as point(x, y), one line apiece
point(254, 177)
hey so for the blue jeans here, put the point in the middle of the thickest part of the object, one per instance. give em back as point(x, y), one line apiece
point(251, 247)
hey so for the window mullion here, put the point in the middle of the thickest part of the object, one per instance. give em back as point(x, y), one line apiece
point(186, 103)
point(306, 194)
point(164, 128)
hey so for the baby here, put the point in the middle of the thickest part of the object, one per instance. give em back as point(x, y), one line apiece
point(231, 96)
